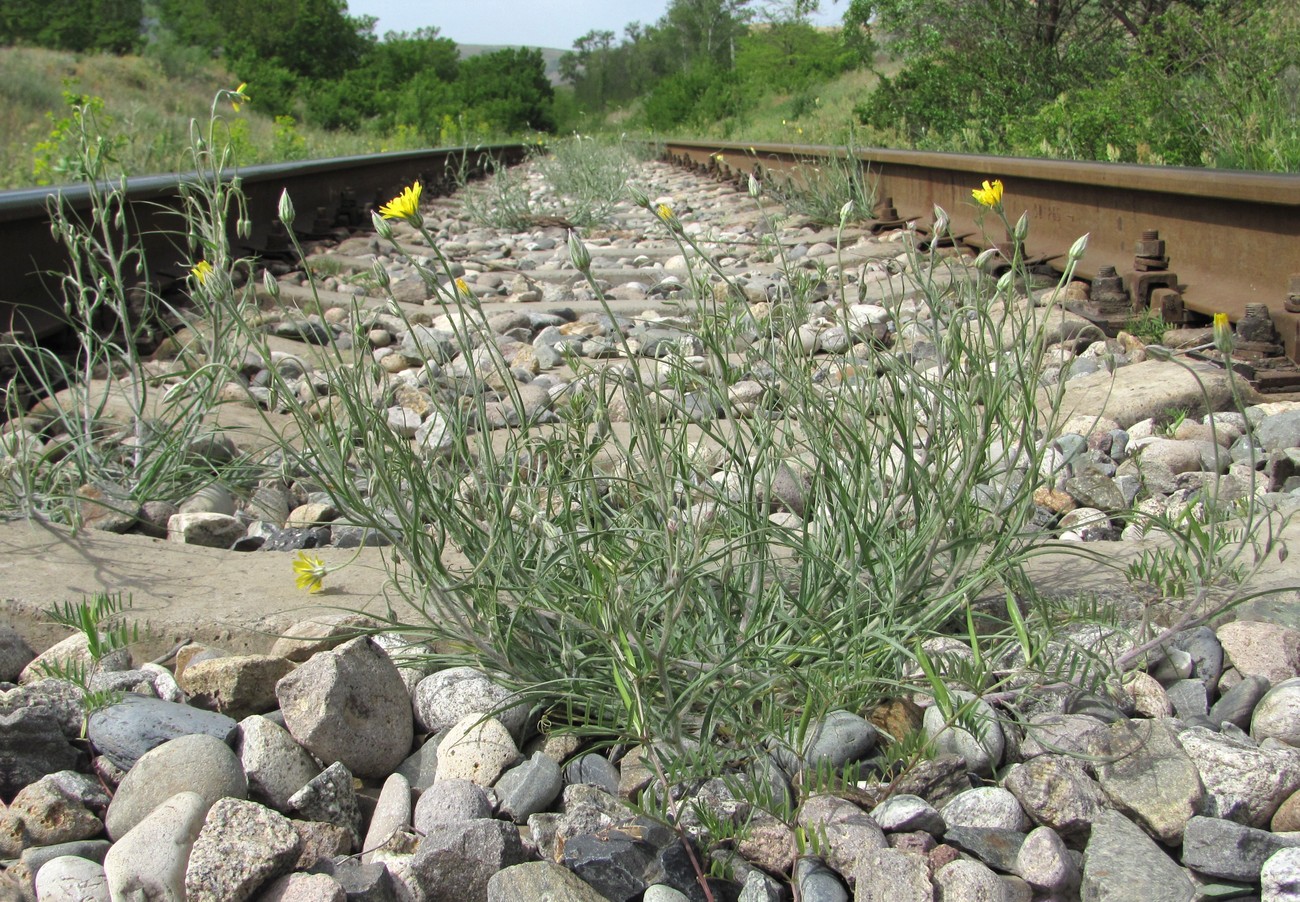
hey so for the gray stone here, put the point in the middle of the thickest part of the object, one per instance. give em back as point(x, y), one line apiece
point(235, 685)
point(663, 893)
point(1280, 877)
point(451, 802)
point(905, 813)
point(1237, 705)
point(846, 829)
point(304, 888)
point(888, 875)
point(1203, 645)
point(208, 530)
point(1242, 783)
point(349, 705)
point(837, 739)
point(35, 858)
point(369, 882)
point(1279, 431)
point(1258, 647)
point(71, 879)
point(1122, 864)
point(1096, 491)
point(421, 767)
point(241, 847)
point(444, 698)
point(1055, 792)
point(1045, 863)
point(456, 860)
point(982, 753)
point(32, 744)
point(329, 797)
point(996, 848)
point(1189, 698)
point(476, 749)
point(529, 788)
point(594, 770)
point(15, 654)
point(968, 881)
point(1227, 849)
point(125, 731)
point(149, 861)
point(275, 764)
point(818, 883)
point(392, 814)
point(1147, 774)
point(989, 807)
point(616, 864)
point(537, 880)
point(42, 814)
point(197, 763)
point(1277, 716)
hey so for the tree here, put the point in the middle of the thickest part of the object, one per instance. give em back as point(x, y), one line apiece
point(508, 89)
point(112, 26)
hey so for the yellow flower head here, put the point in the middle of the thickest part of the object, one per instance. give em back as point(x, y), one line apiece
point(664, 212)
point(310, 572)
point(405, 206)
point(990, 195)
point(202, 271)
point(238, 96)
point(1222, 333)
point(462, 287)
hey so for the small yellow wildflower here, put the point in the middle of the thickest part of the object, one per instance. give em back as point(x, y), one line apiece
point(462, 287)
point(202, 271)
point(990, 195)
point(239, 96)
point(664, 212)
point(405, 206)
point(310, 571)
point(1222, 333)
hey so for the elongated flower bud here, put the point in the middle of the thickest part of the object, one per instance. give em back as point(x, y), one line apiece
point(755, 186)
point(985, 256)
point(270, 284)
point(1021, 228)
point(638, 196)
point(940, 220)
point(286, 209)
point(1079, 247)
point(382, 227)
point(846, 211)
point(1223, 334)
point(578, 253)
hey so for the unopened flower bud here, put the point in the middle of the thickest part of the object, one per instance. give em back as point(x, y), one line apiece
point(382, 227)
point(846, 211)
point(985, 256)
point(940, 220)
point(382, 278)
point(578, 253)
point(1021, 228)
point(1007, 282)
point(755, 186)
point(270, 284)
point(286, 209)
point(1223, 334)
point(1079, 247)
point(638, 196)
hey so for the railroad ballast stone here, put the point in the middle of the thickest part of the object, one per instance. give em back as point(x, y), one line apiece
point(1218, 770)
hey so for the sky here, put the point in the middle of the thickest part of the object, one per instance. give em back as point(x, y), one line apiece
point(534, 23)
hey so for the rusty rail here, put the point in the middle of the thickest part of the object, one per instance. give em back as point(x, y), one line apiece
point(1188, 241)
point(327, 194)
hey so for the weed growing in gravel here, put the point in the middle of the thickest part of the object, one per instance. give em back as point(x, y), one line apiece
point(100, 620)
point(587, 176)
point(133, 431)
point(820, 189)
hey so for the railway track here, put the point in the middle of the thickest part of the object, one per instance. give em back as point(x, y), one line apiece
point(1187, 243)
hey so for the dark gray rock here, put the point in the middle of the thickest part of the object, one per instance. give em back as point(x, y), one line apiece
point(594, 770)
point(837, 739)
point(1189, 698)
point(1122, 864)
point(34, 859)
point(456, 860)
point(1279, 431)
point(818, 883)
point(1202, 644)
point(125, 731)
point(15, 654)
point(366, 882)
point(529, 788)
point(614, 863)
point(1227, 849)
point(32, 744)
point(1237, 705)
point(330, 797)
point(421, 767)
point(996, 848)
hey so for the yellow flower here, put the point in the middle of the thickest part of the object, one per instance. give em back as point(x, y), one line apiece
point(664, 212)
point(405, 206)
point(239, 97)
point(462, 287)
point(1222, 333)
point(990, 195)
point(310, 571)
point(202, 271)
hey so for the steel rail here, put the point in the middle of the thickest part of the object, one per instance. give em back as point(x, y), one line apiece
point(1231, 239)
point(326, 194)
